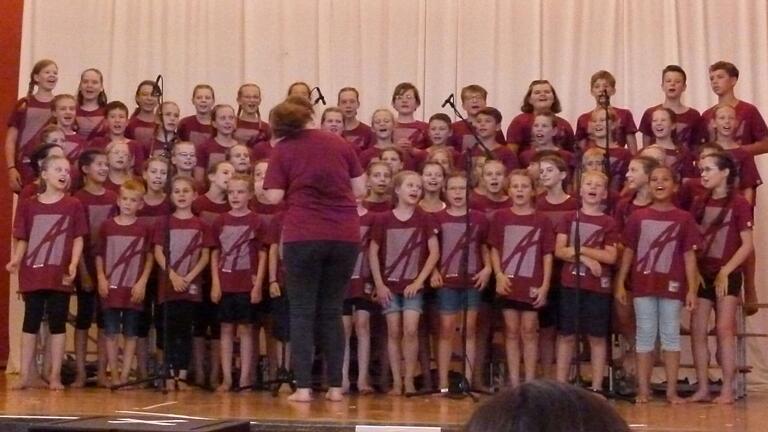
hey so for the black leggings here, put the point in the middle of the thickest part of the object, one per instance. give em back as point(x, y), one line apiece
point(47, 303)
point(181, 314)
point(317, 273)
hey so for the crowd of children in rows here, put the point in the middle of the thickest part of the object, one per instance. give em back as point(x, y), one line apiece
point(674, 218)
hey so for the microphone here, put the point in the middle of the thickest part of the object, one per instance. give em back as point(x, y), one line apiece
point(448, 101)
point(320, 97)
point(156, 89)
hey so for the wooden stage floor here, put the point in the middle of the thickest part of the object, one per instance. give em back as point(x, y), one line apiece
point(267, 413)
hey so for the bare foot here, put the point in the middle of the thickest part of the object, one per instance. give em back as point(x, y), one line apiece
point(182, 386)
point(20, 385)
point(724, 399)
point(411, 388)
point(301, 395)
point(642, 398)
point(224, 387)
point(674, 399)
point(700, 396)
point(170, 385)
point(55, 385)
point(102, 382)
point(364, 388)
point(345, 387)
point(334, 394)
point(244, 384)
point(79, 381)
point(397, 390)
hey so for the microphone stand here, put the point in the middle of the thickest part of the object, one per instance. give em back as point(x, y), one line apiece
point(605, 103)
point(462, 388)
point(320, 98)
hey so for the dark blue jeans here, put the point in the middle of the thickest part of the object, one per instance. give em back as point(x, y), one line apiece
point(316, 275)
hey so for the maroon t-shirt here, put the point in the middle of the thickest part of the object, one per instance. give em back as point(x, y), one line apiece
point(124, 250)
point(487, 205)
point(360, 137)
point(626, 126)
point(190, 129)
point(403, 246)
point(261, 150)
point(623, 209)
point(208, 210)
point(314, 169)
point(519, 132)
point(266, 211)
point(140, 130)
point(91, 124)
point(73, 145)
point(721, 240)
point(239, 240)
point(462, 138)
point(211, 153)
point(49, 230)
point(274, 236)
point(251, 133)
point(685, 133)
point(660, 240)
point(417, 132)
point(453, 241)
point(522, 242)
point(556, 212)
point(377, 207)
point(750, 125)
point(152, 215)
point(188, 239)
point(749, 177)
point(619, 158)
point(29, 117)
point(98, 208)
point(681, 161)
point(596, 232)
point(689, 191)
point(361, 274)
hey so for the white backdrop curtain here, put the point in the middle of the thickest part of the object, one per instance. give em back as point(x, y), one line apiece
point(439, 45)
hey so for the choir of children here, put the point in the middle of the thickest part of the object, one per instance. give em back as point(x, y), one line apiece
point(548, 249)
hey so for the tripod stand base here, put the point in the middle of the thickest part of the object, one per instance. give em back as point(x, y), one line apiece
point(284, 376)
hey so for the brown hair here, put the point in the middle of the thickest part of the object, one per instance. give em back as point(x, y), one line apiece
point(473, 88)
point(674, 68)
point(330, 110)
point(288, 118)
point(184, 178)
point(443, 117)
point(298, 83)
point(602, 75)
point(247, 179)
point(36, 69)
point(216, 108)
point(101, 99)
point(493, 112)
point(138, 91)
point(203, 87)
point(728, 67)
point(527, 106)
point(399, 179)
point(403, 87)
point(133, 185)
point(240, 94)
point(349, 89)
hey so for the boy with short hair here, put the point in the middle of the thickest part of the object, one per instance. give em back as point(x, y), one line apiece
point(751, 130)
point(123, 264)
point(673, 84)
point(603, 84)
point(487, 124)
point(473, 98)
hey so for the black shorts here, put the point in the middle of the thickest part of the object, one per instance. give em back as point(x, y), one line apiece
point(261, 311)
point(206, 323)
point(591, 309)
point(548, 314)
point(235, 308)
point(51, 304)
point(505, 303)
point(707, 290)
point(360, 304)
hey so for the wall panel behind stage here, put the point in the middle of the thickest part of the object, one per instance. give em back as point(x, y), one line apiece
point(440, 45)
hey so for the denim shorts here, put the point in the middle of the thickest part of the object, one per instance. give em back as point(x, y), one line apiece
point(453, 300)
point(657, 316)
point(400, 303)
point(125, 319)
